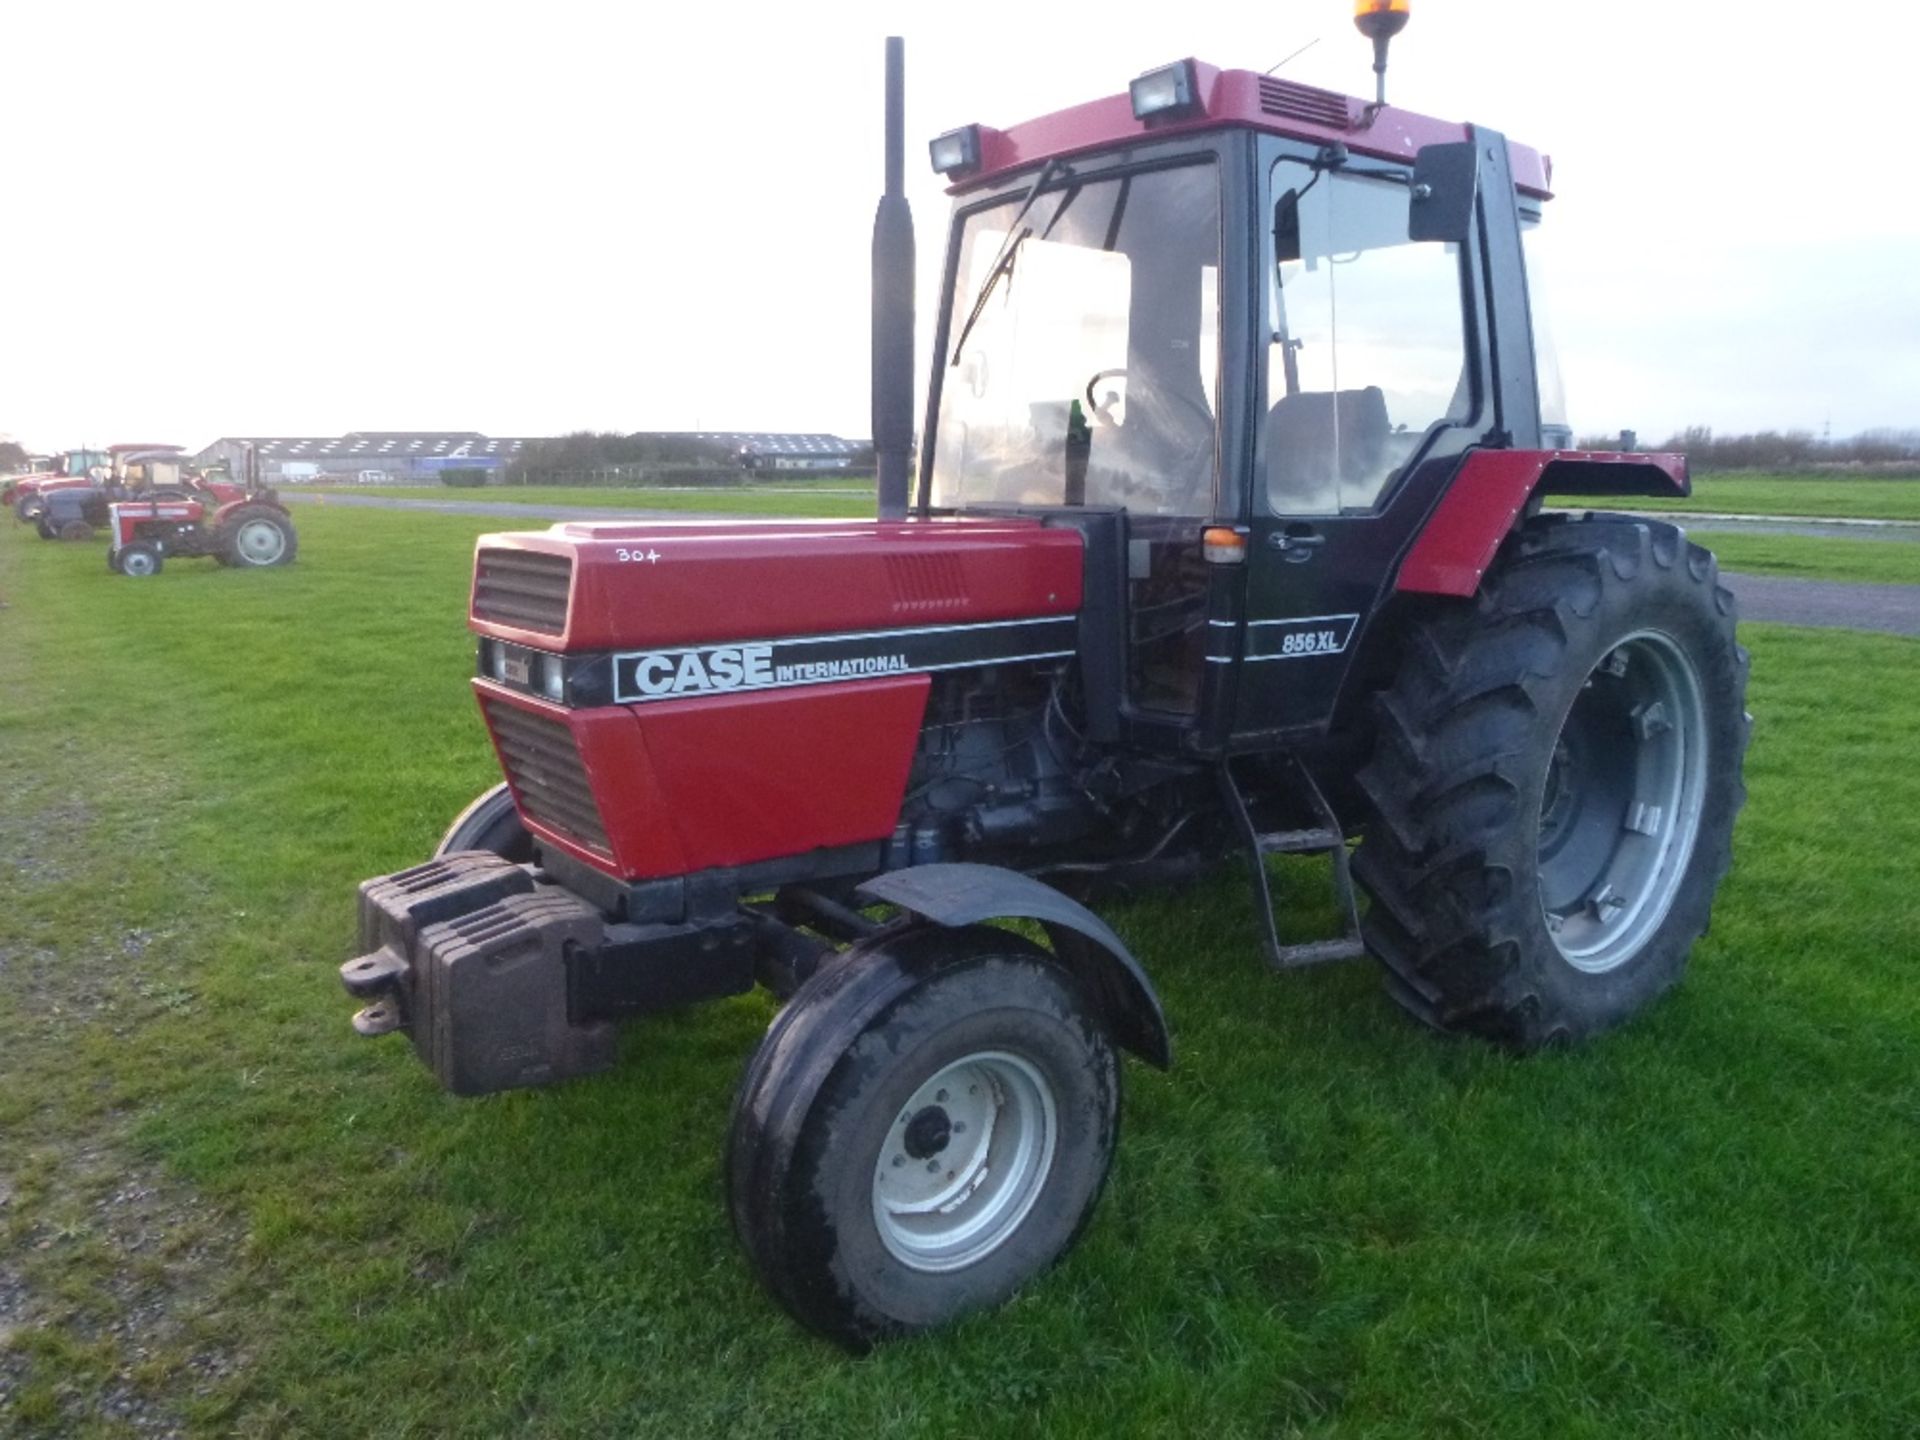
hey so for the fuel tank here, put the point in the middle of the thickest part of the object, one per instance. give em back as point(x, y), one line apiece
point(681, 696)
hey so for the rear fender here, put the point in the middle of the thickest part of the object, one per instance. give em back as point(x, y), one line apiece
point(958, 895)
point(1492, 490)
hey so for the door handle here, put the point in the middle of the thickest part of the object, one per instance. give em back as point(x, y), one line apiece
point(1296, 547)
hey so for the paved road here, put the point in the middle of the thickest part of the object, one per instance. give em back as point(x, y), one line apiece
point(1894, 609)
point(1834, 604)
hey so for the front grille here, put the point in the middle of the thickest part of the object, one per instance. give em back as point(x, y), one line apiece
point(543, 765)
point(526, 588)
point(1304, 102)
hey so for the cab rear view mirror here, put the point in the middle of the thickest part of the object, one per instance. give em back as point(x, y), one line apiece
point(1445, 181)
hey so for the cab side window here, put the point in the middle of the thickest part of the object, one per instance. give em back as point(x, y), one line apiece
point(1368, 349)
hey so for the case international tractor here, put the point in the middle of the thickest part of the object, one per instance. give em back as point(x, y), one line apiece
point(1227, 540)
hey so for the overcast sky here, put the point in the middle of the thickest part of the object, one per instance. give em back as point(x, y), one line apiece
point(525, 219)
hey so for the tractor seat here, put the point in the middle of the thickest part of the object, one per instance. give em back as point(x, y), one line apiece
point(1326, 449)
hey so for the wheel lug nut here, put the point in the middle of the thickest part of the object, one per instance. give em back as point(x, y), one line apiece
point(940, 1097)
point(959, 1127)
point(898, 1161)
point(932, 1166)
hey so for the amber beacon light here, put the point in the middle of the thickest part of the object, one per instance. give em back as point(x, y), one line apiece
point(1380, 21)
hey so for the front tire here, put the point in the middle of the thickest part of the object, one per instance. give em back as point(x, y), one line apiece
point(140, 559)
point(490, 823)
point(927, 1125)
point(1555, 782)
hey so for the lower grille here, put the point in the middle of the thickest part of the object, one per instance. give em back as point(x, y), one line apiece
point(526, 588)
point(543, 766)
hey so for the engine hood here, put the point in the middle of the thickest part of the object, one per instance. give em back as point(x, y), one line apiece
point(623, 585)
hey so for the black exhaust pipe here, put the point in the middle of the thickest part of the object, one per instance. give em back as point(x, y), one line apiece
point(893, 305)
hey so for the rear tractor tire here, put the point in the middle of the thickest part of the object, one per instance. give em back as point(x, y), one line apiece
point(926, 1126)
point(1554, 785)
point(257, 536)
point(76, 530)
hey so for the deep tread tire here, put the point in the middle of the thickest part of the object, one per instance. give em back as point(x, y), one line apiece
point(490, 823)
point(1450, 860)
point(230, 550)
point(825, 1090)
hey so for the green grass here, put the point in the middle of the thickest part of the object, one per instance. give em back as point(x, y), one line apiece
point(805, 497)
point(1323, 1222)
point(1884, 562)
point(1841, 497)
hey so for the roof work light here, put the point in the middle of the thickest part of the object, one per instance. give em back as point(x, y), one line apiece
point(957, 152)
point(1170, 93)
point(1380, 21)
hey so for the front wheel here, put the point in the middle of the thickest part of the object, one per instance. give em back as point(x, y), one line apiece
point(490, 823)
point(926, 1126)
point(140, 559)
point(1555, 784)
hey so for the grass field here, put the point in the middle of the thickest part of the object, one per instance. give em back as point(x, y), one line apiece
point(219, 1206)
point(1879, 562)
point(1842, 497)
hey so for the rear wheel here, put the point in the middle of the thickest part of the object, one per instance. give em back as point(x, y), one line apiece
point(256, 536)
point(926, 1126)
point(1555, 785)
point(76, 530)
point(140, 559)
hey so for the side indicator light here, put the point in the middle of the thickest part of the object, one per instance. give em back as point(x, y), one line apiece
point(1223, 545)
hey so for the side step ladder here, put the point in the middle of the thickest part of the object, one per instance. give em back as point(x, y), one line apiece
point(1328, 838)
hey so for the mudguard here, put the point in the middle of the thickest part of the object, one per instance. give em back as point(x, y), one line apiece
point(954, 895)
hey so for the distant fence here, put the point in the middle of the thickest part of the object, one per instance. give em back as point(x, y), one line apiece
point(716, 476)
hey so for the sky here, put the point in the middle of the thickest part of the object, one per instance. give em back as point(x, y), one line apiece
point(524, 219)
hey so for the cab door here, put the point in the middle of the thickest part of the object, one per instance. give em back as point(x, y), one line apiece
point(1373, 386)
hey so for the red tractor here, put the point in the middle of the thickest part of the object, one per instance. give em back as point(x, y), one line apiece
point(240, 525)
point(74, 469)
point(1200, 564)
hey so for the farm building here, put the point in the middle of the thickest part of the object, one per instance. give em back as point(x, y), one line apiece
point(375, 456)
point(758, 451)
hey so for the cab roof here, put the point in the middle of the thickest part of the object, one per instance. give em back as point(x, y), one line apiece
point(1237, 99)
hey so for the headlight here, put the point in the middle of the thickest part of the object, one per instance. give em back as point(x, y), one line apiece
point(553, 677)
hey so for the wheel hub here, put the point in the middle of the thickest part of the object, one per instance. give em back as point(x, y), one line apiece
point(1620, 803)
point(963, 1161)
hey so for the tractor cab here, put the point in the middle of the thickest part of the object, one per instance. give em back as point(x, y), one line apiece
point(1261, 325)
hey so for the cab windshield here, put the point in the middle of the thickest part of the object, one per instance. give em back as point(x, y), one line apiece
point(1089, 375)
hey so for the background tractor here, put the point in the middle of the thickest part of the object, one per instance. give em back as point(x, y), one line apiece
point(245, 526)
point(134, 471)
point(1227, 540)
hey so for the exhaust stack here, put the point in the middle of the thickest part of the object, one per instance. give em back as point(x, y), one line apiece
point(893, 304)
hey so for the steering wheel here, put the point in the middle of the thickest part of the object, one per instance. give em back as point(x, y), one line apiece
point(1096, 411)
point(1102, 414)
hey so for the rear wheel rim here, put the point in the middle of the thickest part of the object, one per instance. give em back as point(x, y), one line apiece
point(259, 542)
point(964, 1161)
point(1620, 806)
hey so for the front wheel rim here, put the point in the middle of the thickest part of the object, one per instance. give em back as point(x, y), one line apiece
point(1621, 802)
point(964, 1161)
point(260, 542)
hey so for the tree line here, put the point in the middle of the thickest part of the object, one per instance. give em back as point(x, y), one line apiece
point(1887, 450)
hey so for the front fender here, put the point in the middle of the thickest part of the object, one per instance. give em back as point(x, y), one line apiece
point(955, 895)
